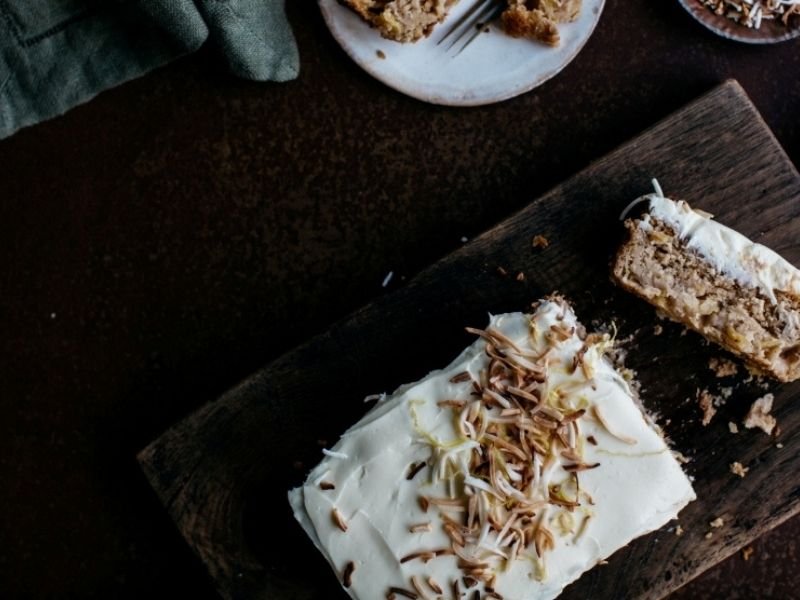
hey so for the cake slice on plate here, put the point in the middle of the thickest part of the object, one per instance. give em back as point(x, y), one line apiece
point(411, 20)
point(509, 473)
point(731, 290)
point(402, 20)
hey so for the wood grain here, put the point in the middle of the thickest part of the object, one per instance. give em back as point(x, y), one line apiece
point(223, 472)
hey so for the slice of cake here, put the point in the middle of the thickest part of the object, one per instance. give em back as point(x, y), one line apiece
point(402, 20)
point(734, 292)
point(518, 467)
point(411, 20)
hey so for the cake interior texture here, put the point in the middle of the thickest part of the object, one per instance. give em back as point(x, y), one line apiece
point(509, 473)
point(402, 20)
point(657, 264)
point(411, 20)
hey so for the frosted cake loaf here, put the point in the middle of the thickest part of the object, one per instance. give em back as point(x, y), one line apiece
point(511, 472)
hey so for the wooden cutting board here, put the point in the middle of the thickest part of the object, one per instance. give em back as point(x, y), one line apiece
point(223, 472)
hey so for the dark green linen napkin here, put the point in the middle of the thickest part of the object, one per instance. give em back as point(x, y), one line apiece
point(55, 54)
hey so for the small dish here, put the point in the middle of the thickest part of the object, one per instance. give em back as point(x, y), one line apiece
point(770, 32)
point(494, 67)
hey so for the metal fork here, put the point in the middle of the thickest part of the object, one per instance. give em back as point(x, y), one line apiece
point(475, 19)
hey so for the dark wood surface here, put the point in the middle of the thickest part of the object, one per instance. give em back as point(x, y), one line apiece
point(177, 233)
point(223, 472)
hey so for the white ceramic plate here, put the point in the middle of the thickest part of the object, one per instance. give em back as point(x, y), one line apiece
point(492, 68)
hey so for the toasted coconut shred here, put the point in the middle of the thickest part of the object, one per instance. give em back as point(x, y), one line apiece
point(347, 576)
point(752, 13)
point(515, 473)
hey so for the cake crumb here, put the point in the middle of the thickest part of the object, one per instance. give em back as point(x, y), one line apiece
point(502, 271)
point(722, 367)
point(658, 329)
point(520, 21)
point(779, 445)
point(747, 553)
point(732, 427)
point(380, 54)
point(709, 535)
point(679, 531)
point(681, 458)
point(520, 276)
point(338, 519)
point(755, 374)
point(739, 469)
point(759, 416)
point(717, 523)
point(706, 401)
point(539, 241)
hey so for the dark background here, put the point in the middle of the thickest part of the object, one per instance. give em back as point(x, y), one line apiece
point(178, 232)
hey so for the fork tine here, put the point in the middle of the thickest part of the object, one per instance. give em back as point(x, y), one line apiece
point(464, 18)
point(492, 11)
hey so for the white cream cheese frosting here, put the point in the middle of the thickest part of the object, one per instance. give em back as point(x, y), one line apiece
point(728, 251)
point(632, 483)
